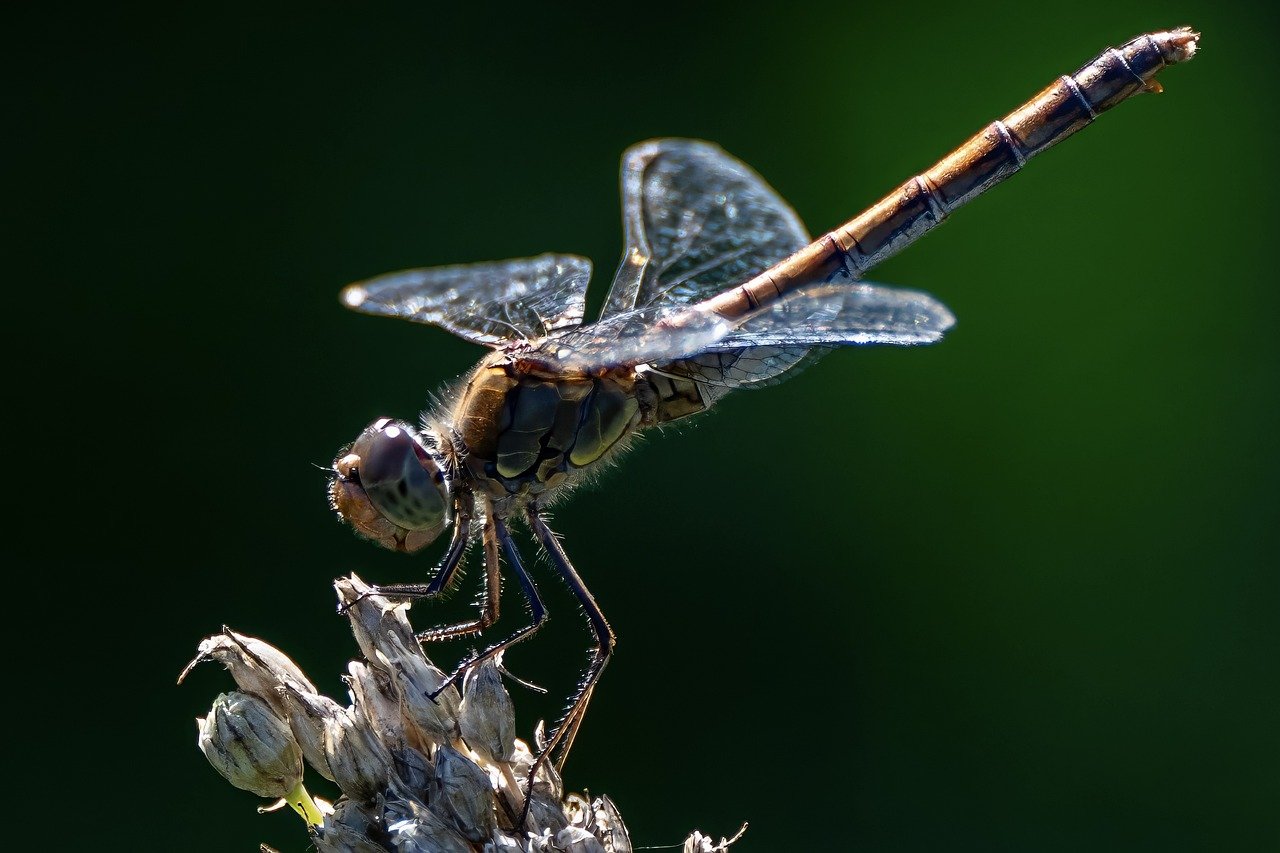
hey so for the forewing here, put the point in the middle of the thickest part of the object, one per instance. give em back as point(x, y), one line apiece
point(697, 221)
point(490, 303)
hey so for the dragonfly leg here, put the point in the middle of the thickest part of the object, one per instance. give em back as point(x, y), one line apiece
point(496, 534)
point(567, 730)
point(490, 593)
point(445, 572)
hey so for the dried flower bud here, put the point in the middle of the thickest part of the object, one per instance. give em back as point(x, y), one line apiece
point(487, 717)
point(309, 714)
point(373, 694)
point(343, 840)
point(415, 829)
point(250, 745)
point(414, 768)
point(376, 621)
point(574, 839)
point(699, 843)
point(606, 824)
point(503, 843)
point(465, 794)
point(546, 810)
point(415, 679)
point(360, 762)
point(257, 667)
point(348, 830)
point(600, 818)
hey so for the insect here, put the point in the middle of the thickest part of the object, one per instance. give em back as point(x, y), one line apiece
point(719, 288)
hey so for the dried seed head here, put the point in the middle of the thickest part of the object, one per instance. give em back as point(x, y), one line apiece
point(343, 840)
point(414, 769)
point(487, 717)
point(417, 774)
point(699, 843)
point(361, 764)
point(464, 794)
point(250, 745)
point(309, 714)
point(606, 824)
point(574, 839)
point(503, 843)
point(600, 818)
point(546, 810)
point(257, 667)
point(373, 695)
point(376, 621)
point(413, 828)
point(349, 829)
point(415, 678)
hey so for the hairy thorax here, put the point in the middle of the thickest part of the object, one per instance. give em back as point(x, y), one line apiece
point(525, 434)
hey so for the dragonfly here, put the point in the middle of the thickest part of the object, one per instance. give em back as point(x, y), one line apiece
point(719, 288)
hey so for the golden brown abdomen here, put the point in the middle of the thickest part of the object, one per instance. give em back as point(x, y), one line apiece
point(525, 434)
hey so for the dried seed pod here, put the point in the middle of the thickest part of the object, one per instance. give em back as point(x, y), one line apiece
point(503, 843)
point(575, 839)
point(413, 828)
point(414, 769)
point(606, 824)
point(464, 794)
point(343, 840)
point(415, 679)
point(250, 745)
point(309, 714)
point(256, 666)
point(546, 811)
point(376, 621)
point(487, 717)
point(699, 843)
point(374, 696)
point(361, 764)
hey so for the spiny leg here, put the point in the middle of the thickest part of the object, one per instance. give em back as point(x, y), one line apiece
point(570, 726)
point(444, 575)
point(567, 730)
point(490, 593)
point(495, 529)
point(445, 572)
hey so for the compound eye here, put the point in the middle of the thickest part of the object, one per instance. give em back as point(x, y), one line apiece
point(401, 479)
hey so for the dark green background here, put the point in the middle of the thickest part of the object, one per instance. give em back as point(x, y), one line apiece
point(1014, 592)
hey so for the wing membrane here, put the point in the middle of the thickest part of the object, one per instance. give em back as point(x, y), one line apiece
point(655, 334)
point(697, 221)
point(841, 315)
point(754, 349)
point(489, 303)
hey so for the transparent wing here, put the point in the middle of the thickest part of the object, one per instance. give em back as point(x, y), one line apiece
point(754, 349)
point(843, 314)
point(697, 221)
point(656, 334)
point(489, 303)
point(744, 367)
point(761, 349)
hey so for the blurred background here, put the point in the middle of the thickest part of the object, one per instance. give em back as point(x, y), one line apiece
point(1017, 591)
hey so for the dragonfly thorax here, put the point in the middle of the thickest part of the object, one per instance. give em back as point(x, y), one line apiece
point(524, 434)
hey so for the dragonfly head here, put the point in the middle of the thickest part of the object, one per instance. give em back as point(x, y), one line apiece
point(391, 487)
